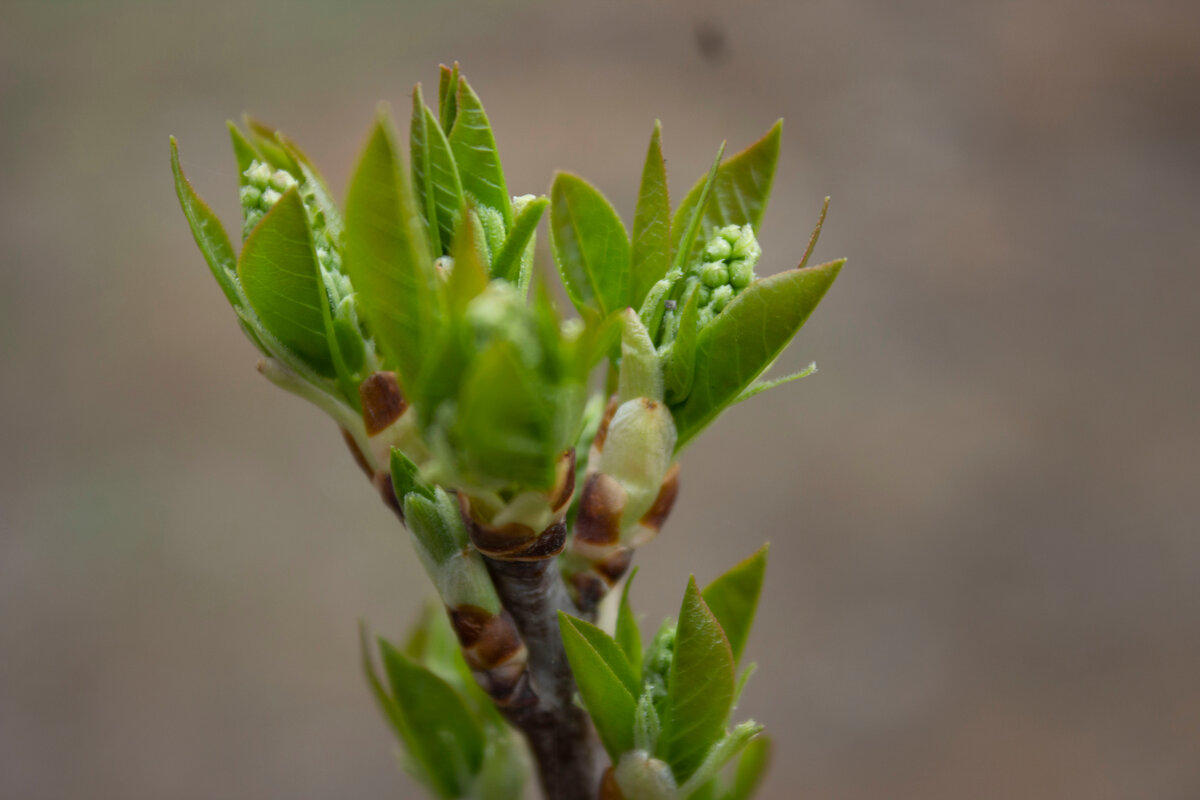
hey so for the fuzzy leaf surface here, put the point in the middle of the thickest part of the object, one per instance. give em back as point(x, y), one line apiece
point(507, 263)
point(435, 175)
point(745, 338)
point(474, 147)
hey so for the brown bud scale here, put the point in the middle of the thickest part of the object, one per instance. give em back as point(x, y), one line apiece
point(382, 401)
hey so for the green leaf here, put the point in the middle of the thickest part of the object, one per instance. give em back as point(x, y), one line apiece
point(468, 278)
point(733, 599)
point(435, 175)
point(590, 245)
point(758, 387)
point(719, 755)
point(448, 96)
point(279, 274)
point(700, 687)
point(651, 247)
point(243, 150)
point(680, 367)
point(741, 189)
point(745, 338)
point(605, 693)
point(386, 704)
point(448, 740)
point(628, 636)
point(266, 142)
point(474, 149)
point(685, 228)
point(507, 263)
point(209, 234)
point(386, 255)
point(506, 420)
point(750, 769)
point(406, 478)
point(816, 234)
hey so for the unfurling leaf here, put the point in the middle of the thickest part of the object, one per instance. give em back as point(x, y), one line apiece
point(439, 192)
point(627, 634)
point(474, 147)
point(651, 246)
point(209, 234)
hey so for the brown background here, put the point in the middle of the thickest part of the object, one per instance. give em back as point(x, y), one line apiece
point(985, 577)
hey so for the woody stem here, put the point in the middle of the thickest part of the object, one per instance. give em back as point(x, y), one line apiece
point(558, 731)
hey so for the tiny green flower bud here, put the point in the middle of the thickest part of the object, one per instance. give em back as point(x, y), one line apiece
point(718, 249)
point(714, 275)
point(705, 296)
point(741, 273)
point(250, 196)
point(746, 245)
point(646, 725)
point(721, 297)
point(282, 181)
point(258, 174)
point(270, 197)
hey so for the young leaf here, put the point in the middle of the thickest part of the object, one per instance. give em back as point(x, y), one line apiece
point(386, 255)
point(435, 175)
point(628, 636)
point(750, 769)
point(758, 387)
point(279, 274)
point(590, 245)
point(448, 96)
point(447, 739)
point(733, 598)
point(745, 338)
point(680, 366)
point(266, 141)
point(816, 234)
point(507, 263)
point(243, 150)
point(651, 247)
point(700, 688)
point(721, 754)
point(209, 234)
point(605, 693)
point(468, 277)
point(741, 189)
point(386, 704)
point(474, 148)
point(685, 228)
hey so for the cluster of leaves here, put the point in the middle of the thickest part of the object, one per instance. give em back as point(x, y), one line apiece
point(454, 740)
point(664, 712)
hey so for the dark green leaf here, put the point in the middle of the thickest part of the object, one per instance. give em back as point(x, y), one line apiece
point(387, 258)
point(474, 148)
point(750, 769)
point(680, 367)
point(279, 274)
point(507, 263)
point(448, 740)
point(406, 478)
point(745, 338)
point(733, 598)
point(605, 693)
point(209, 234)
point(651, 247)
point(700, 688)
point(628, 635)
point(686, 226)
point(435, 175)
point(743, 184)
point(590, 245)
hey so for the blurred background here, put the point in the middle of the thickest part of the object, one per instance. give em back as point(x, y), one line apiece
point(985, 577)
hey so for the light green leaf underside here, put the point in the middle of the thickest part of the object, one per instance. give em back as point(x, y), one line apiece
point(745, 338)
point(507, 263)
point(387, 257)
point(474, 148)
point(208, 232)
point(280, 277)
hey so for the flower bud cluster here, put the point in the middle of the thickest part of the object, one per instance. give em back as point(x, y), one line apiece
point(723, 269)
point(262, 190)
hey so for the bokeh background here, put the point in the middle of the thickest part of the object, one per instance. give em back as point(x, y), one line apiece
point(985, 577)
